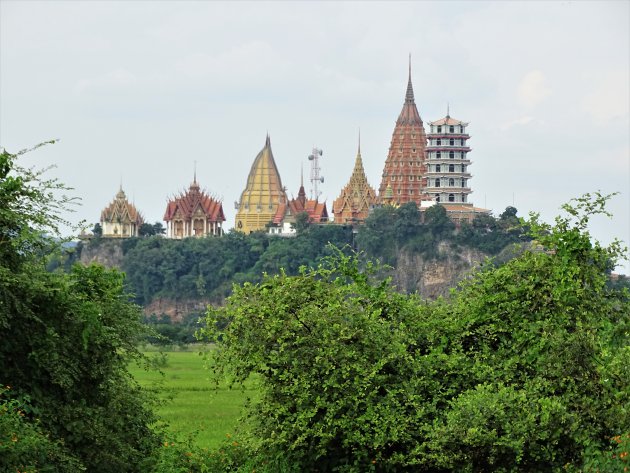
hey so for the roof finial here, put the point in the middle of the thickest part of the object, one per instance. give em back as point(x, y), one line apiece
point(409, 96)
point(448, 112)
point(267, 140)
point(359, 149)
point(195, 172)
point(301, 174)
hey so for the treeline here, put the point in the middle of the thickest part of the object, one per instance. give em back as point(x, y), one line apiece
point(206, 268)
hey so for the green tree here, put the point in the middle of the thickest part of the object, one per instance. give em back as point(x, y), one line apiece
point(65, 343)
point(97, 230)
point(146, 229)
point(158, 228)
point(302, 222)
point(525, 368)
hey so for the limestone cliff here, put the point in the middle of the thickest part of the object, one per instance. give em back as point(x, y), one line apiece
point(105, 251)
point(434, 277)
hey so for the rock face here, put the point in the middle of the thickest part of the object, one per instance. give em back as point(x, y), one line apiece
point(107, 252)
point(175, 310)
point(434, 277)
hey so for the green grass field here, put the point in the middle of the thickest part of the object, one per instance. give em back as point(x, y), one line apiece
point(194, 405)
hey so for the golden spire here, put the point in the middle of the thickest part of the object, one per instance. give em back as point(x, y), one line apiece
point(263, 193)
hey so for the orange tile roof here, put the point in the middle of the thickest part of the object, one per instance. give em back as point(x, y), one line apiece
point(188, 202)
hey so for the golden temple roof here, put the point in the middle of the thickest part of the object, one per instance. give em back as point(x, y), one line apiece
point(263, 193)
point(357, 197)
point(121, 210)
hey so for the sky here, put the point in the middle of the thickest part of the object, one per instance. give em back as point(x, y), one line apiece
point(142, 92)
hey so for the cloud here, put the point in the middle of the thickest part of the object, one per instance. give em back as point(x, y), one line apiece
point(516, 122)
point(533, 89)
point(116, 79)
point(609, 101)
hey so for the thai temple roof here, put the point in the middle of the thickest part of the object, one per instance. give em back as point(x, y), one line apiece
point(120, 209)
point(357, 197)
point(263, 193)
point(184, 205)
point(317, 211)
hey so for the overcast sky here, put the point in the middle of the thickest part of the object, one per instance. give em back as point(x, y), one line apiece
point(141, 90)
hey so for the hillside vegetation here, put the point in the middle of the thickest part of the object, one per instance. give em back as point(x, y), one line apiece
point(206, 268)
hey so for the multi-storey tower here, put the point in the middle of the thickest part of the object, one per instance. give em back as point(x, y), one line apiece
point(263, 193)
point(405, 165)
point(447, 164)
point(357, 198)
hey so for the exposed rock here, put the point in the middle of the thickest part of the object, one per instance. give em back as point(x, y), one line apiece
point(175, 310)
point(105, 251)
point(434, 277)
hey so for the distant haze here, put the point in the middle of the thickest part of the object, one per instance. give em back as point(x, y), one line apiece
point(139, 91)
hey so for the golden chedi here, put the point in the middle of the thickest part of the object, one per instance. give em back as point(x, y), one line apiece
point(263, 194)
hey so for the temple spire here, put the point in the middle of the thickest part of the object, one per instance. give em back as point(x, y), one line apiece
point(359, 148)
point(409, 96)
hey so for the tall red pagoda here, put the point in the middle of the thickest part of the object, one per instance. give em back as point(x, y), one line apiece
point(405, 166)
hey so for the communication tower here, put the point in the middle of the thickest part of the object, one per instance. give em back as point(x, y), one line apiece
point(315, 177)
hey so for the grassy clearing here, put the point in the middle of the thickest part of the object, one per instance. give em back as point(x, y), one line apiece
point(193, 404)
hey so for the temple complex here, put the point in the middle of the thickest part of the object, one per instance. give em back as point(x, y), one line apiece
point(405, 166)
point(357, 198)
point(263, 194)
point(285, 218)
point(120, 219)
point(193, 213)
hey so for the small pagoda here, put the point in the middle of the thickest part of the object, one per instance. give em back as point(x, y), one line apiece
point(194, 213)
point(120, 219)
point(357, 198)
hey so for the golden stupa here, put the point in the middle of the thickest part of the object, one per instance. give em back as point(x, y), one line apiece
point(263, 193)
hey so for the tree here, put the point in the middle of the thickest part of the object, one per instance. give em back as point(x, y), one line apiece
point(146, 229)
point(65, 343)
point(525, 368)
point(302, 222)
point(158, 228)
point(97, 230)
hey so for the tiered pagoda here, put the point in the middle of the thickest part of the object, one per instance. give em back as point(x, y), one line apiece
point(357, 198)
point(120, 219)
point(405, 166)
point(447, 163)
point(263, 194)
point(448, 176)
point(193, 213)
point(285, 218)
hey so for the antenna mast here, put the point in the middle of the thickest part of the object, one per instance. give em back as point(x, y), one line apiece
point(315, 176)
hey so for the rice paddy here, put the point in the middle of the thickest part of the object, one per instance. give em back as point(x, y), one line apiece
point(193, 404)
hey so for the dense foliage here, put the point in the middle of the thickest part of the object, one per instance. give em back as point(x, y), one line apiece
point(525, 368)
point(67, 401)
point(388, 231)
point(206, 268)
